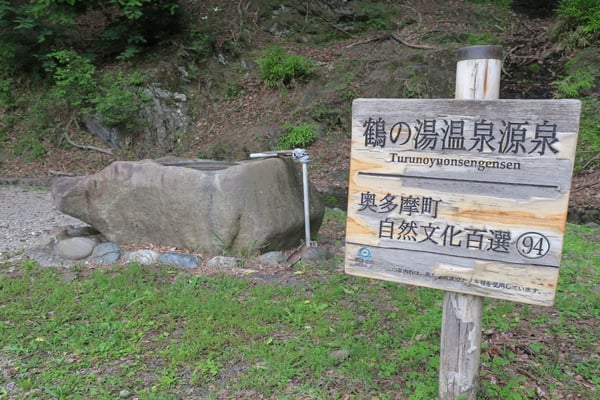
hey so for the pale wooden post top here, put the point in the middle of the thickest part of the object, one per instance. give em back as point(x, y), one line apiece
point(478, 73)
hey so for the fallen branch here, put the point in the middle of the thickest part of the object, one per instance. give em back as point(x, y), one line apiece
point(81, 146)
point(341, 30)
point(396, 38)
point(580, 188)
point(411, 45)
point(373, 39)
point(591, 160)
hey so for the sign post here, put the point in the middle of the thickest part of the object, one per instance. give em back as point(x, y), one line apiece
point(478, 73)
point(468, 196)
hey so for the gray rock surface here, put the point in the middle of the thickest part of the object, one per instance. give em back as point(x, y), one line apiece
point(106, 253)
point(164, 116)
point(143, 256)
point(180, 260)
point(76, 248)
point(46, 227)
point(272, 258)
point(252, 205)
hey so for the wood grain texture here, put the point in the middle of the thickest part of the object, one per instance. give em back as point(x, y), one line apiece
point(485, 220)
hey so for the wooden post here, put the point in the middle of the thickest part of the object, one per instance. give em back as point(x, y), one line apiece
point(477, 78)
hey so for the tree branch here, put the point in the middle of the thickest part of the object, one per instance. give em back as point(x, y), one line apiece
point(80, 146)
point(414, 46)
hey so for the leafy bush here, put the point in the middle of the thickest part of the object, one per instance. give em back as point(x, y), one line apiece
point(575, 84)
point(297, 136)
point(6, 96)
point(29, 30)
point(73, 75)
point(579, 23)
point(278, 67)
point(116, 97)
point(585, 13)
point(120, 99)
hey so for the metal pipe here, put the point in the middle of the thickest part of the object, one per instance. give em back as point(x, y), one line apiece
point(306, 203)
point(300, 155)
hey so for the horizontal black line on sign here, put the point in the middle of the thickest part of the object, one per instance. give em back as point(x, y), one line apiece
point(435, 178)
point(439, 253)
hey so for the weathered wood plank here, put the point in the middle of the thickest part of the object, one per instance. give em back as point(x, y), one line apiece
point(461, 195)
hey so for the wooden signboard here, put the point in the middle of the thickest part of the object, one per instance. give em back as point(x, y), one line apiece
point(461, 195)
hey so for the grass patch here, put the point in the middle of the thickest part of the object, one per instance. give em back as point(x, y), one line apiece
point(295, 136)
point(280, 68)
point(154, 333)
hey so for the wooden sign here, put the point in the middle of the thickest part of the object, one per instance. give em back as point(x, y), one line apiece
point(461, 195)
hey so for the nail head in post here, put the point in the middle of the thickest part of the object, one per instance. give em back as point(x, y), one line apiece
point(480, 52)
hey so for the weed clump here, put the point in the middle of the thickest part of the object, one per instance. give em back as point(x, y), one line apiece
point(280, 68)
point(297, 136)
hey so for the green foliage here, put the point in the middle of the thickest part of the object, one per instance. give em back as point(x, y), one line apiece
point(585, 13)
point(33, 135)
point(30, 146)
point(73, 76)
point(31, 30)
point(579, 84)
point(588, 143)
point(232, 90)
point(117, 97)
point(578, 23)
point(575, 84)
point(280, 68)
point(416, 86)
point(295, 136)
point(329, 200)
point(120, 99)
point(7, 99)
point(377, 17)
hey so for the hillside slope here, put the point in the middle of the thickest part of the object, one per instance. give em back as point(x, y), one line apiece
point(362, 49)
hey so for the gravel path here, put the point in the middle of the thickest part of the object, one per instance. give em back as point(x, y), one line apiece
point(26, 215)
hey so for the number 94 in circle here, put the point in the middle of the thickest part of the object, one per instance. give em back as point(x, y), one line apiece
point(533, 245)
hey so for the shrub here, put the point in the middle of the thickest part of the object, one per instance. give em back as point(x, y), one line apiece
point(575, 84)
point(584, 13)
point(297, 136)
point(73, 75)
point(120, 99)
point(6, 96)
point(578, 23)
point(31, 29)
point(278, 67)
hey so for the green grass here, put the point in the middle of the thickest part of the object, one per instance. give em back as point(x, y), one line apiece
point(280, 68)
point(162, 333)
point(295, 136)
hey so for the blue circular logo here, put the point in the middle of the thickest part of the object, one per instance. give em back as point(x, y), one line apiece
point(364, 253)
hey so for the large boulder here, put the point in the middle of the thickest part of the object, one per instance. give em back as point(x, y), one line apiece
point(195, 204)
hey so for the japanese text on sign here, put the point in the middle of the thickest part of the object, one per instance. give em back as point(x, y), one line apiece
point(467, 196)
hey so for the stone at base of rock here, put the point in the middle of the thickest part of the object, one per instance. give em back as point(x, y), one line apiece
point(273, 258)
point(76, 248)
point(222, 262)
point(106, 253)
point(143, 257)
point(179, 260)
